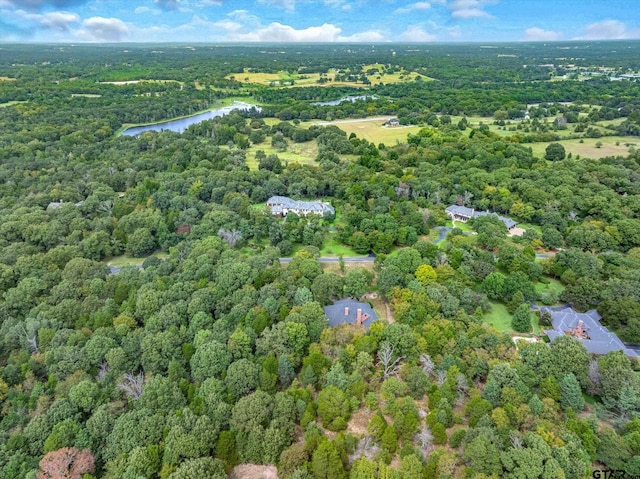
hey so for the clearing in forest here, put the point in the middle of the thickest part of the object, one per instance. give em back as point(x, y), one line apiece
point(254, 471)
point(594, 148)
point(373, 130)
point(303, 153)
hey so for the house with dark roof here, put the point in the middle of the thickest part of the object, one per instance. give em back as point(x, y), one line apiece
point(350, 311)
point(392, 122)
point(587, 329)
point(281, 205)
point(464, 214)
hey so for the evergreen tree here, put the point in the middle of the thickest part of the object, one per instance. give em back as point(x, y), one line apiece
point(521, 320)
point(326, 463)
point(570, 393)
point(535, 404)
point(286, 372)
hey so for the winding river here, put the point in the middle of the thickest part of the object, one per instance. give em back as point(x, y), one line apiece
point(181, 124)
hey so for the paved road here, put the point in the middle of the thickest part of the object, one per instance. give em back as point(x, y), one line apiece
point(442, 234)
point(560, 307)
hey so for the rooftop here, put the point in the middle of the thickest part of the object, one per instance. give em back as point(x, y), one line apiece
point(279, 203)
point(472, 213)
point(345, 311)
point(600, 339)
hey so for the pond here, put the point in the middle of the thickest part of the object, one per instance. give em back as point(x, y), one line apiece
point(352, 99)
point(181, 124)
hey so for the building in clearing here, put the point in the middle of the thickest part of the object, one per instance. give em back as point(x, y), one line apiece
point(464, 214)
point(392, 122)
point(281, 205)
point(350, 311)
point(587, 329)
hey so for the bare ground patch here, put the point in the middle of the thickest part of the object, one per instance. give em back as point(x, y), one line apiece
point(254, 471)
point(359, 422)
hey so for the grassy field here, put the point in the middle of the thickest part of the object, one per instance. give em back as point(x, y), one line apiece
point(554, 287)
point(371, 129)
point(500, 319)
point(284, 78)
point(332, 247)
point(466, 227)
point(280, 78)
point(124, 260)
point(303, 153)
point(610, 146)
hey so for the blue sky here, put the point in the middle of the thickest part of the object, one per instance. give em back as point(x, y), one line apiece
point(367, 21)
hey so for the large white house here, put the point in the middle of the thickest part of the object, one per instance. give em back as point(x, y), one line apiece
point(281, 205)
point(463, 214)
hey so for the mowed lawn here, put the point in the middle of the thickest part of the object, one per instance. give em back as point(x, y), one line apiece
point(610, 146)
point(554, 287)
point(500, 319)
point(332, 247)
point(303, 153)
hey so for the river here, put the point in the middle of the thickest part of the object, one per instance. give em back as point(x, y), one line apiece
point(181, 124)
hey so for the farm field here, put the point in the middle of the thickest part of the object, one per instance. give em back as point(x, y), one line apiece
point(610, 146)
point(373, 130)
point(288, 79)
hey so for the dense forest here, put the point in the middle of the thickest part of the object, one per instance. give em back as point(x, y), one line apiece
point(157, 321)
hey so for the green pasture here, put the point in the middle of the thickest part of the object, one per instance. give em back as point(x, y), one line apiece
point(303, 153)
point(594, 148)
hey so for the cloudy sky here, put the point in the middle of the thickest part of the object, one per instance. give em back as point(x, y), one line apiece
point(365, 21)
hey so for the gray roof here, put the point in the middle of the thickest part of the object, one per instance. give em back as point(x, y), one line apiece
point(601, 340)
point(279, 203)
point(335, 312)
point(472, 213)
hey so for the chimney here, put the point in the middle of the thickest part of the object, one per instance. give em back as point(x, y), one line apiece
point(346, 311)
point(359, 317)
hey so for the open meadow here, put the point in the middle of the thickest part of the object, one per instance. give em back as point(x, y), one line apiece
point(594, 148)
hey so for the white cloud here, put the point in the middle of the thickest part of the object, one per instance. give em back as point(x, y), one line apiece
point(327, 32)
point(59, 21)
point(412, 7)
point(535, 34)
point(370, 36)
point(608, 30)
point(140, 10)
point(469, 8)
point(104, 29)
point(415, 33)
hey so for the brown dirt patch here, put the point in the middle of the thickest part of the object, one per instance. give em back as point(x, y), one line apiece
point(359, 422)
point(254, 471)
